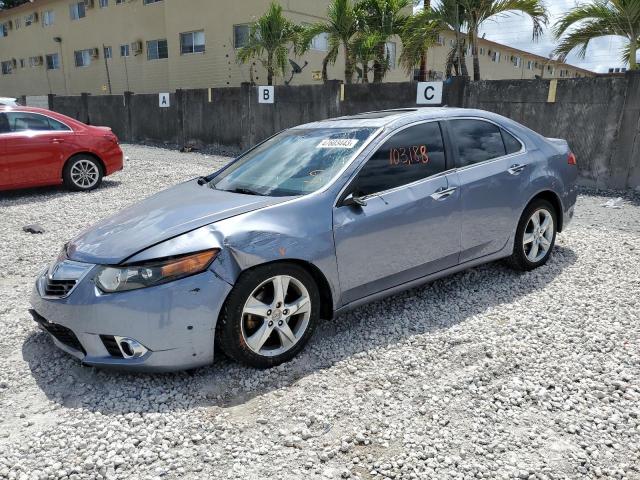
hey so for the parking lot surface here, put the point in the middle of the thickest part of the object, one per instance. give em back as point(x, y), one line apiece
point(489, 373)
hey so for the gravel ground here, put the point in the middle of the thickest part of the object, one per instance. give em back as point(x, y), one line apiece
point(486, 374)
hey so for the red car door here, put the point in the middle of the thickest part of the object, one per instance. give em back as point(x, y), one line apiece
point(5, 181)
point(35, 148)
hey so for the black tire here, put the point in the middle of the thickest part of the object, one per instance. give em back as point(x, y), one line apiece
point(230, 336)
point(518, 259)
point(93, 167)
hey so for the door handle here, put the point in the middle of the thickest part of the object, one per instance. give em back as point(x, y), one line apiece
point(443, 193)
point(57, 140)
point(515, 169)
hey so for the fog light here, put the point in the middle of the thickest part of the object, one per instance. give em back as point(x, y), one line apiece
point(130, 348)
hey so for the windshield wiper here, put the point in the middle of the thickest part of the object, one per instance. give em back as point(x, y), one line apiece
point(245, 191)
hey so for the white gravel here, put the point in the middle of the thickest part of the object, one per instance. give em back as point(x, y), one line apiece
point(486, 374)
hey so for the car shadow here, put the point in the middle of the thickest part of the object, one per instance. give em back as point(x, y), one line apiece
point(227, 384)
point(39, 194)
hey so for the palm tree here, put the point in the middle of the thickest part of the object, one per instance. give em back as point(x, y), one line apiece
point(272, 34)
point(598, 19)
point(451, 15)
point(340, 27)
point(384, 19)
point(419, 33)
point(365, 50)
point(426, 6)
point(479, 11)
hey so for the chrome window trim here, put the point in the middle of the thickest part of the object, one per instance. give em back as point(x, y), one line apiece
point(382, 140)
point(40, 114)
point(523, 148)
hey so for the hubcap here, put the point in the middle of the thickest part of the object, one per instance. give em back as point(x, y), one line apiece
point(538, 235)
point(84, 174)
point(276, 315)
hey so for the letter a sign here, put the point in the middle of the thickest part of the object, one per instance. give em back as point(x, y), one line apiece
point(265, 95)
point(429, 93)
point(164, 100)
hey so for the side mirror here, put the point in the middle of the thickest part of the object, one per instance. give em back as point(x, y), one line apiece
point(352, 200)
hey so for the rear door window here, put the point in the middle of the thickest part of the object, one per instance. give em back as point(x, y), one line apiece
point(476, 141)
point(412, 154)
point(511, 143)
point(23, 121)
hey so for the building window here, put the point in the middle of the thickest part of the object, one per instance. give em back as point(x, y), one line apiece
point(320, 42)
point(124, 50)
point(192, 42)
point(7, 67)
point(83, 57)
point(35, 61)
point(22, 64)
point(103, 3)
point(516, 61)
point(108, 53)
point(529, 65)
point(53, 61)
point(48, 17)
point(157, 49)
point(17, 23)
point(481, 50)
point(147, 2)
point(30, 19)
point(240, 35)
point(120, 2)
point(391, 54)
point(77, 10)
point(440, 40)
point(550, 69)
point(3, 29)
point(495, 57)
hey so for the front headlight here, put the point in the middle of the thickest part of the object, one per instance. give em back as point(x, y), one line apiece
point(155, 272)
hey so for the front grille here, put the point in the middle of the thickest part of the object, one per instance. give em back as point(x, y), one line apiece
point(57, 288)
point(62, 334)
point(111, 345)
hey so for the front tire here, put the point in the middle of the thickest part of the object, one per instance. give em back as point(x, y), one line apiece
point(535, 236)
point(82, 173)
point(269, 315)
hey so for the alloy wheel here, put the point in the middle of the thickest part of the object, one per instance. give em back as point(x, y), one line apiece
point(84, 174)
point(276, 315)
point(538, 235)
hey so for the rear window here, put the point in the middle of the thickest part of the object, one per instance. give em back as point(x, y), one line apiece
point(511, 143)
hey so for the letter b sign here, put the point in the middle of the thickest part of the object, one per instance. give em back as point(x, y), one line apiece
point(265, 95)
point(429, 93)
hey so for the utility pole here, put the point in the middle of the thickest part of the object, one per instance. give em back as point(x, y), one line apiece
point(106, 66)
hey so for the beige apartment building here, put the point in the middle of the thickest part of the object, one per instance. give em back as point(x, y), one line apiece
point(145, 46)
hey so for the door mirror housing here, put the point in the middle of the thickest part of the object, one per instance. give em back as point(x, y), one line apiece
point(352, 200)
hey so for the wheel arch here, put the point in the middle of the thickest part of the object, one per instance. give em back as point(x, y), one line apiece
point(324, 288)
point(87, 153)
point(553, 198)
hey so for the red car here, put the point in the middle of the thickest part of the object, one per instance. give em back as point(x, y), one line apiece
point(40, 147)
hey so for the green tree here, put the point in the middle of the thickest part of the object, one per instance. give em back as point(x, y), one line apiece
point(419, 33)
point(270, 39)
point(598, 19)
point(382, 19)
point(365, 47)
point(6, 4)
point(340, 28)
point(479, 11)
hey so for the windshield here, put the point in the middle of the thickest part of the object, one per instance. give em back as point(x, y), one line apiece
point(294, 162)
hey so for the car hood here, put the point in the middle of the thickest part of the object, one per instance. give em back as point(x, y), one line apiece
point(164, 215)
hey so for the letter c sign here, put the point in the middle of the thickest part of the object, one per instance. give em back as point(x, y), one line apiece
point(265, 94)
point(429, 93)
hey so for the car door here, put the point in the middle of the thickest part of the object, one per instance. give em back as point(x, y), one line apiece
point(493, 171)
point(35, 147)
point(5, 181)
point(407, 223)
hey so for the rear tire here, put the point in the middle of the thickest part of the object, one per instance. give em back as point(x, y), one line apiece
point(261, 327)
point(82, 173)
point(535, 236)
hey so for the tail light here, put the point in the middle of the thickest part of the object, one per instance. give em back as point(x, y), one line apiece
point(571, 159)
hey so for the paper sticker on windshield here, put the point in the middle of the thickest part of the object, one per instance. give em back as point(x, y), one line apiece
point(338, 143)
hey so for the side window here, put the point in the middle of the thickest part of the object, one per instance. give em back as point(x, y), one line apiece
point(22, 121)
point(412, 154)
point(510, 142)
point(4, 123)
point(476, 141)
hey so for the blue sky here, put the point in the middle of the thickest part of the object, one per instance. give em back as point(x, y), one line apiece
point(515, 30)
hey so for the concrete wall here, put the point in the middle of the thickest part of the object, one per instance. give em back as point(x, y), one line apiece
point(599, 117)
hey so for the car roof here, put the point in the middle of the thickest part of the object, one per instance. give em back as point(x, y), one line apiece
point(8, 108)
point(396, 117)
